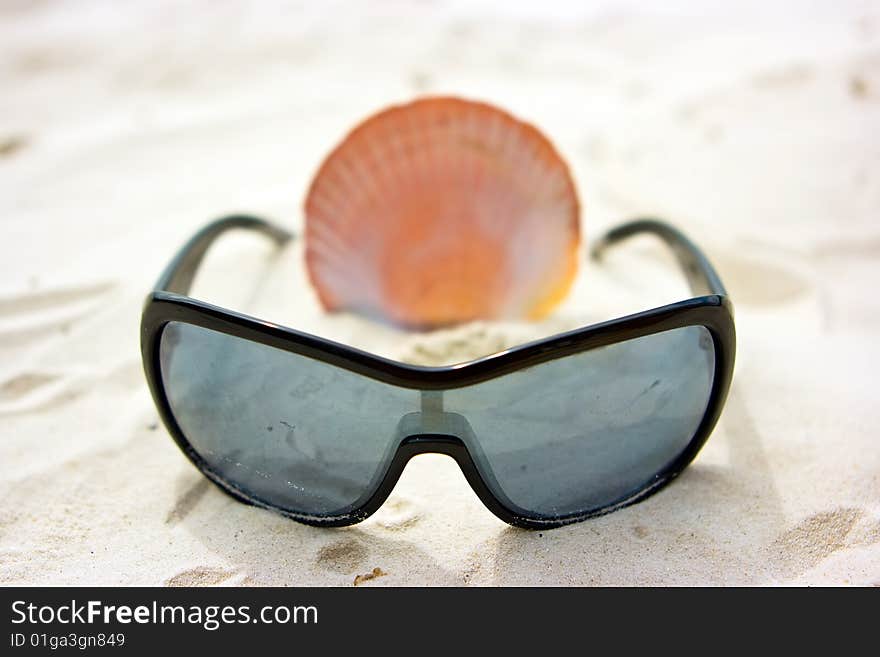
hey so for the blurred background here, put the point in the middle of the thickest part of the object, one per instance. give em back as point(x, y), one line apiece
point(753, 126)
point(750, 124)
point(711, 111)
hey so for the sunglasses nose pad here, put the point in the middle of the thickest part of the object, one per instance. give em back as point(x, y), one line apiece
point(433, 420)
point(436, 430)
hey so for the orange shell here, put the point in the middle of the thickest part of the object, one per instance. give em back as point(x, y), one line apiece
point(442, 211)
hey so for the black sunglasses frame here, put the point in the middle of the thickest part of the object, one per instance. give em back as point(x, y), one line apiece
point(711, 308)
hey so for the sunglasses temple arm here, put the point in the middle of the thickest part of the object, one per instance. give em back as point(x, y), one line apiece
point(701, 275)
point(180, 272)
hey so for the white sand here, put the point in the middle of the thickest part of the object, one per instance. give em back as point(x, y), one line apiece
point(124, 129)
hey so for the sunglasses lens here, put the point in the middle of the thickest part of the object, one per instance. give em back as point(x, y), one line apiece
point(563, 438)
point(588, 431)
point(289, 431)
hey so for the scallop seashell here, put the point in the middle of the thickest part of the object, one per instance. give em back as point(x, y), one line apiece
point(442, 211)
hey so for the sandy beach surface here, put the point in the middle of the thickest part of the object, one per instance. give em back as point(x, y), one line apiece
point(753, 126)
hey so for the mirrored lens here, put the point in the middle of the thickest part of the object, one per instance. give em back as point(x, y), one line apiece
point(565, 437)
point(291, 431)
point(586, 431)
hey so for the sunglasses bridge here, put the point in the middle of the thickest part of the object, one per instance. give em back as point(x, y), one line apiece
point(432, 430)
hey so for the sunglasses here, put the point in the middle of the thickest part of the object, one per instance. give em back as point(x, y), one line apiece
point(547, 433)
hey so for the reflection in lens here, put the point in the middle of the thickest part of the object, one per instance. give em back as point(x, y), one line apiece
point(586, 431)
point(565, 437)
point(291, 431)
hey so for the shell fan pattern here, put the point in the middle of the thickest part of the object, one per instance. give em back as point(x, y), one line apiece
point(442, 211)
